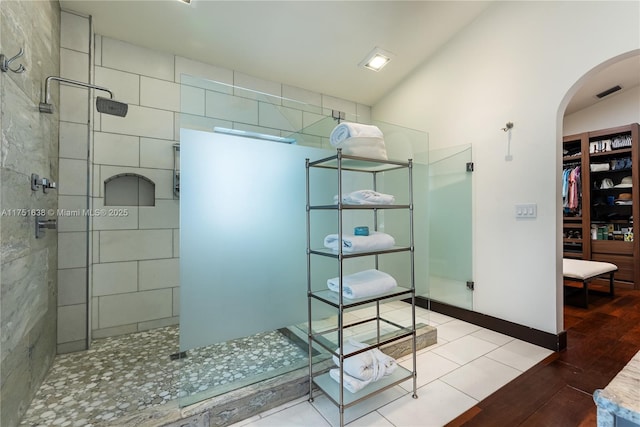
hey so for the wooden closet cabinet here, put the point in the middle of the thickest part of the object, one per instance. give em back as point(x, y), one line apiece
point(599, 225)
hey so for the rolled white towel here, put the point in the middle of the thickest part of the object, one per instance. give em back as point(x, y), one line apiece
point(366, 197)
point(375, 241)
point(357, 139)
point(369, 365)
point(363, 284)
point(352, 384)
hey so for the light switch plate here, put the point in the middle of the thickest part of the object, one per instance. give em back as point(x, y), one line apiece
point(527, 210)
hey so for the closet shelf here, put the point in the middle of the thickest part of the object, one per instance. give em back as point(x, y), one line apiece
point(612, 153)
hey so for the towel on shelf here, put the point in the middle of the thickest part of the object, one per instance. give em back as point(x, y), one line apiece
point(364, 368)
point(370, 365)
point(366, 197)
point(354, 385)
point(363, 284)
point(375, 241)
point(356, 139)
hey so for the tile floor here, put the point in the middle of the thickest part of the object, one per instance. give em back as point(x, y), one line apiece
point(466, 365)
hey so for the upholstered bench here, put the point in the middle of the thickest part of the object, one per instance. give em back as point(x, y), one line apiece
point(585, 271)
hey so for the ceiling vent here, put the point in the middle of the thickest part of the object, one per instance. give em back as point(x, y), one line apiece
point(608, 91)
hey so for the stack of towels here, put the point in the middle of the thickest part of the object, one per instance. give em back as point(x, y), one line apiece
point(363, 284)
point(364, 368)
point(375, 241)
point(360, 140)
point(365, 197)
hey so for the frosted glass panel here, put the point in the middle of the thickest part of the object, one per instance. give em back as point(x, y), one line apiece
point(242, 236)
point(450, 260)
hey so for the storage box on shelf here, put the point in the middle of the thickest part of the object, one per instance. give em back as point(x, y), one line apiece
point(331, 336)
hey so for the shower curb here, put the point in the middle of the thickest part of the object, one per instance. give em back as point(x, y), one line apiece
point(249, 401)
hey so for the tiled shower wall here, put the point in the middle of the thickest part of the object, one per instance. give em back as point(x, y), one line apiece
point(135, 258)
point(28, 285)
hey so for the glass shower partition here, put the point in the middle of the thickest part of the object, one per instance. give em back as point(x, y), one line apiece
point(450, 238)
point(242, 232)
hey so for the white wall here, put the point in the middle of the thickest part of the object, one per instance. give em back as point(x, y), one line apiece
point(617, 110)
point(516, 62)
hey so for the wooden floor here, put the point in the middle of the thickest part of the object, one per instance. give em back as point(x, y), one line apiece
point(558, 392)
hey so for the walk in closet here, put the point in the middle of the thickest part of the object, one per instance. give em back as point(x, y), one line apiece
point(373, 331)
point(600, 189)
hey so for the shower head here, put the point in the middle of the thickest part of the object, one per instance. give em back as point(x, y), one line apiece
point(111, 106)
point(104, 105)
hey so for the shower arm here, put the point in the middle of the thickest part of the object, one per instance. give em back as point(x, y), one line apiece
point(46, 106)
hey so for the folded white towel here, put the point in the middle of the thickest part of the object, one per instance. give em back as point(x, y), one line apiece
point(366, 197)
point(369, 365)
point(352, 384)
point(375, 241)
point(364, 368)
point(356, 139)
point(363, 284)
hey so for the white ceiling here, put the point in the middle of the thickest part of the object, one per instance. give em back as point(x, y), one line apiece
point(315, 45)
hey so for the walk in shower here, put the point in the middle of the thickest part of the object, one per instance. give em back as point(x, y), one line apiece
point(238, 176)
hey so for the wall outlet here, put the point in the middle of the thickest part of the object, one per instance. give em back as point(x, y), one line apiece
point(528, 210)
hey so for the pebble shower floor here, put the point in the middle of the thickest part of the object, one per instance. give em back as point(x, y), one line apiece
point(121, 375)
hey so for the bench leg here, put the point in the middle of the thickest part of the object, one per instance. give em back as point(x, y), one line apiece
point(611, 292)
point(585, 285)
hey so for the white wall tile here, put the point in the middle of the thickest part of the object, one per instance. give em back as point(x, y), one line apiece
point(74, 65)
point(72, 213)
point(176, 243)
point(162, 178)
point(125, 86)
point(95, 310)
point(135, 59)
point(116, 149)
point(116, 218)
point(332, 103)
point(202, 72)
point(192, 100)
point(74, 32)
point(165, 214)
point(232, 108)
point(71, 323)
point(363, 113)
point(301, 99)
point(115, 278)
point(277, 117)
point(156, 153)
point(160, 94)
point(160, 273)
point(206, 124)
point(256, 88)
point(115, 331)
point(95, 244)
point(176, 301)
point(72, 250)
point(73, 140)
point(141, 121)
point(126, 245)
point(160, 323)
point(72, 286)
point(72, 177)
point(97, 55)
point(74, 105)
point(123, 309)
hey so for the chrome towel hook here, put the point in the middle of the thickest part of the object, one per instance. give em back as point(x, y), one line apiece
point(4, 63)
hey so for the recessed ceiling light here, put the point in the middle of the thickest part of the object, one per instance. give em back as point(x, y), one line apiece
point(185, 1)
point(608, 91)
point(376, 59)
